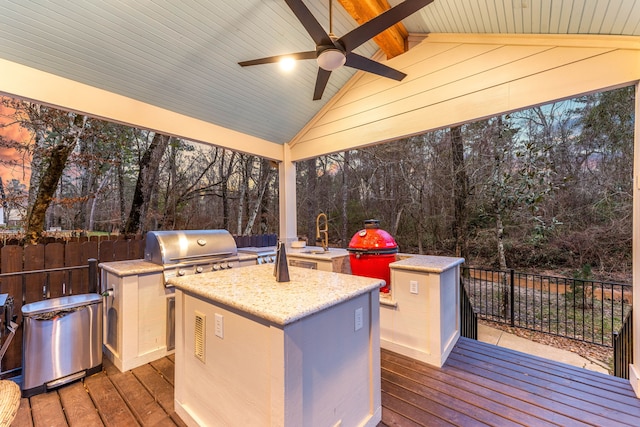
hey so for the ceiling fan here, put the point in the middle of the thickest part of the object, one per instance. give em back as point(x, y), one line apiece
point(332, 52)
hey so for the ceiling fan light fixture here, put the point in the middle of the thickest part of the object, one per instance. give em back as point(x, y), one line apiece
point(287, 63)
point(331, 59)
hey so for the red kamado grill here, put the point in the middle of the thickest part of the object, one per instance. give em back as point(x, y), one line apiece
point(371, 250)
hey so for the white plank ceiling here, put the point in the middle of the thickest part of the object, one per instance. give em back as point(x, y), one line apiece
point(182, 55)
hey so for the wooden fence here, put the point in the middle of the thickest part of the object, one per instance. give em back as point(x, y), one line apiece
point(34, 287)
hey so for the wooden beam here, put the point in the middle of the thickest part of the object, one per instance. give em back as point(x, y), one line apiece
point(393, 41)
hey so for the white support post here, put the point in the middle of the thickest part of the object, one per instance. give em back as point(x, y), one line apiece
point(634, 369)
point(287, 196)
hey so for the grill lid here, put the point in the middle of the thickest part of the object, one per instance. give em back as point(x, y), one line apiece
point(372, 240)
point(174, 247)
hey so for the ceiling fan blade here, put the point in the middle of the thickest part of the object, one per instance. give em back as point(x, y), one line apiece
point(309, 22)
point(369, 65)
point(375, 26)
point(271, 59)
point(321, 83)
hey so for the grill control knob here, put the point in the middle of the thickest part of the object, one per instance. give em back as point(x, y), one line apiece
point(224, 265)
point(216, 267)
point(199, 269)
point(229, 265)
point(181, 272)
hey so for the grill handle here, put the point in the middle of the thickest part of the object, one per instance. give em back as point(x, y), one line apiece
point(212, 255)
point(372, 251)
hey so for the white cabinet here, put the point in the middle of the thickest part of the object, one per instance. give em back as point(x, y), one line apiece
point(138, 313)
point(420, 318)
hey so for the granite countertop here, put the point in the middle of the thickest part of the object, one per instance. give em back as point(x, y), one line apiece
point(254, 290)
point(425, 263)
point(130, 267)
point(316, 252)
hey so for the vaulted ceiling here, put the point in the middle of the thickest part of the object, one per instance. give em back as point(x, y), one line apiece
point(148, 62)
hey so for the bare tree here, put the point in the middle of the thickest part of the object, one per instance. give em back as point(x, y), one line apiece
point(266, 175)
point(147, 178)
point(460, 229)
point(311, 201)
point(16, 198)
point(56, 135)
point(344, 234)
point(246, 164)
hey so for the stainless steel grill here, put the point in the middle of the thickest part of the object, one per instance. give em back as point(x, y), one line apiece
point(186, 252)
point(264, 255)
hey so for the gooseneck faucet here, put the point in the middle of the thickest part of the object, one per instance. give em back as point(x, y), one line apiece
point(322, 231)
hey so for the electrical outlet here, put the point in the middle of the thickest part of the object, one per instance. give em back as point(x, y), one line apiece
point(413, 286)
point(359, 321)
point(219, 325)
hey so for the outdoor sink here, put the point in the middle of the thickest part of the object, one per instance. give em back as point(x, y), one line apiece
point(314, 252)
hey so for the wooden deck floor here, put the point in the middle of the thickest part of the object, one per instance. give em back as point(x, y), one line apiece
point(480, 384)
point(142, 396)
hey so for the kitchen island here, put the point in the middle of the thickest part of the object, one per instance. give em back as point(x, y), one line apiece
point(253, 351)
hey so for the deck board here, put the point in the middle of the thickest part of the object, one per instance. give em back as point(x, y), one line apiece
point(518, 389)
point(142, 404)
point(46, 410)
point(545, 385)
point(464, 391)
point(163, 390)
point(110, 404)
point(165, 367)
point(78, 406)
point(479, 385)
point(558, 371)
point(23, 417)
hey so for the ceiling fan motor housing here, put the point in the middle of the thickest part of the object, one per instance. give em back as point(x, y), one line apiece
point(330, 58)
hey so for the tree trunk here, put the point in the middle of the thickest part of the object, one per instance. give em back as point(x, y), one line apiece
point(312, 204)
point(266, 172)
point(264, 185)
point(504, 291)
point(345, 238)
point(53, 163)
point(121, 200)
point(502, 260)
point(247, 163)
point(460, 231)
point(94, 200)
point(498, 207)
point(86, 187)
point(147, 177)
point(225, 174)
point(396, 222)
point(171, 192)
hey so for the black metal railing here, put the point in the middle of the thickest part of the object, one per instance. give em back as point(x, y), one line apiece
point(623, 348)
point(468, 316)
point(585, 310)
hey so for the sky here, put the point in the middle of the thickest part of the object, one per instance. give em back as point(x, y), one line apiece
point(10, 155)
